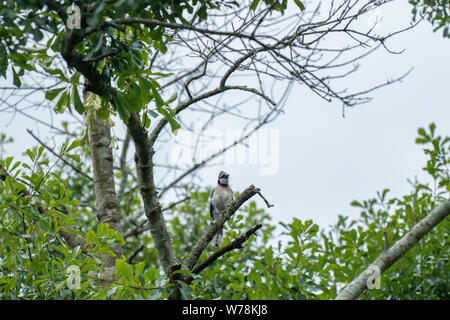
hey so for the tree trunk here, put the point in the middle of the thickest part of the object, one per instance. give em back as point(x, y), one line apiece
point(108, 209)
point(144, 167)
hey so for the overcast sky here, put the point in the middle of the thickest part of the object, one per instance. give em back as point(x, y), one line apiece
point(325, 160)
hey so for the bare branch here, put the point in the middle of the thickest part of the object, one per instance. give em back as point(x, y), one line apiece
point(235, 244)
point(135, 253)
point(177, 26)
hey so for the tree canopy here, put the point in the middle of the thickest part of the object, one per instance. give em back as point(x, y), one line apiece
point(304, 263)
point(66, 233)
point(436, 12)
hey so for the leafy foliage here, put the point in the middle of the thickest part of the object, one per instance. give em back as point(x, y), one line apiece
point(41, 201)
point(437, 12)
point(34, 33)
point(120, 58)
point(301, 263)
point(313, 265)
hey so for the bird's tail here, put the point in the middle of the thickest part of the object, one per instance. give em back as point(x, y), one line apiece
point(217, 240)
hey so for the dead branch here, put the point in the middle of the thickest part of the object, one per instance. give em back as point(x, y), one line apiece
point(235, 244)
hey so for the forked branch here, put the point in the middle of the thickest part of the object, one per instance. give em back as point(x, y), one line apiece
point(235, 244)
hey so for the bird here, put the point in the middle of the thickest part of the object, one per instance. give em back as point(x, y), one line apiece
point(221, 195)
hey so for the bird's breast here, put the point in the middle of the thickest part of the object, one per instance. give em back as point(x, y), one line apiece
point(221, 198)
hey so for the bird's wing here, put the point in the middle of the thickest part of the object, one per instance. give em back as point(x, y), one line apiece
point(230, 193)
point(211, 206)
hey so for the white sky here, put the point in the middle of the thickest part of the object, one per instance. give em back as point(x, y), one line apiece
point(325, 160)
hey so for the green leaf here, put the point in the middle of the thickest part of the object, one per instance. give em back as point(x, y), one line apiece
point(91, 236)
point(55, 72)
point(68, 101)
point(186, 291)
point(52, 93)
point(254, 5)
point(174, 125)
point(75, 78)
point(422, 132)
point(171, 99)
point(356, 204)
point(62, 103)
point(15, 165)
point(40, 151)
point(146, 120)
point(300, 5)
point(314, 229)
point(3, 60)
point(118, 238)
point(102, 228)
point(123, 268)
point(95, 17)
point(8, 162)
point(133, 100)
point(159, 101)
point(162, 47)
point(124, 113)
point(421, 141)
point(57, 42)
point(73, 145)
point(103, 112)
point(122, 107)
point(140, 268)
point(432, 129)
point(77, 101)
point(37, 34)
point(75, 157)
point(107, 251)
point(16, 79)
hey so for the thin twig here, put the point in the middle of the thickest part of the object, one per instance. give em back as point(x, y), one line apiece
point(135, 253)
point(55, 154)
point(265, 200)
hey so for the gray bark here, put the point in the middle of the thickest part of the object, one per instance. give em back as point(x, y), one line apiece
point(123, 167)
point(108, 210)
point(144, 167)
point(235, 244)
point(73, 240)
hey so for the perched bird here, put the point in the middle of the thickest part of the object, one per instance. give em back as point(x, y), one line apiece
point(220, 196)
